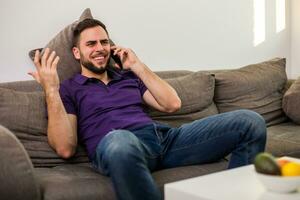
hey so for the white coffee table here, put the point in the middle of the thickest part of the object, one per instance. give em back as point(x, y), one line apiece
point(235, 184)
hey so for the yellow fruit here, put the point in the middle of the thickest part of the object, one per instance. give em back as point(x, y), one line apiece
point(282, 162)
point(291, 169)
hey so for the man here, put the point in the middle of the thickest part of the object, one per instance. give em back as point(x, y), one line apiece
point(105, 104)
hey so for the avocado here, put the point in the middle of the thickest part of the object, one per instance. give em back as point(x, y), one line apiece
point(265, 163)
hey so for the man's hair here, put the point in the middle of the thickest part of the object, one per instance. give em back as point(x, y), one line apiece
point(85, 24)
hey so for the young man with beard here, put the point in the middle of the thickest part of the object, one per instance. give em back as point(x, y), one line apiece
point(122, 141)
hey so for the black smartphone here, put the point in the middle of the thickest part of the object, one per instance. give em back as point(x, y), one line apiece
point(116, 58)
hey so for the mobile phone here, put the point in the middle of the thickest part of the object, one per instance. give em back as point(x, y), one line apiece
point(116, 58)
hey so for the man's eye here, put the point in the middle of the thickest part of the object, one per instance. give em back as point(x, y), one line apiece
point(90, 43)
point(105, 42)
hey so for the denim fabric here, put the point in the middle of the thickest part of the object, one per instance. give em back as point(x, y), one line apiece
point(129, 156)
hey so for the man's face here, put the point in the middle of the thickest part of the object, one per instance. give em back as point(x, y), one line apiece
point(93, 49)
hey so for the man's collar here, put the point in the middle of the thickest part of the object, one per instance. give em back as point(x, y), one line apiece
point(114, 74)
point(80, 79)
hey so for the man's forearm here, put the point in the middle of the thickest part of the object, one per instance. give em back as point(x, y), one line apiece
point(61, 135)
point(163, 93)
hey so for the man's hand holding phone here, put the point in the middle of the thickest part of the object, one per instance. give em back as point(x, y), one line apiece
point(127, 58)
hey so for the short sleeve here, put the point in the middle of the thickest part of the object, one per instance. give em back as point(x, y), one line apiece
point(140, 84)
point(67, 100)
point(142, 87)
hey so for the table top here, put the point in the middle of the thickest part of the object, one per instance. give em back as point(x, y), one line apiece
point(239, 183)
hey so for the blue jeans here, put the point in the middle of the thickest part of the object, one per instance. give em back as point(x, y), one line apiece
point(129, 157)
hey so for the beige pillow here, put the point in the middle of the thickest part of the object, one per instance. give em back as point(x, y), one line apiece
point(62, 45)
point(258, 87)
point(291, 102)
point(196, 91)
point(24, 113)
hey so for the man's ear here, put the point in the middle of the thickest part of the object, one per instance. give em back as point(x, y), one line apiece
point(76, 53)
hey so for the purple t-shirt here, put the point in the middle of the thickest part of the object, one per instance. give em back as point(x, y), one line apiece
point(102, 108)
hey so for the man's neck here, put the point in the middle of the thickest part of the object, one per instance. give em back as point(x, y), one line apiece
point(103, 77)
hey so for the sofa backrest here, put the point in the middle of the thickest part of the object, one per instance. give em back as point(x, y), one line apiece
point(24, 114)
point(23, 86)
point(196, 91)
point(203, 93)
point(259, 87)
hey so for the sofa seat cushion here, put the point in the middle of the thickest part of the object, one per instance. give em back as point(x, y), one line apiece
point(81, 182)
point(196, 91)
point(73, 182)
point(284, 139)
point(258, 87)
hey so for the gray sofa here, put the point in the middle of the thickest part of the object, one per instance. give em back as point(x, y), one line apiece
point(29, 168)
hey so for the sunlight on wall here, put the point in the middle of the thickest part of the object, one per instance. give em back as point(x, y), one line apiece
point(280, 15)
point(259, 21)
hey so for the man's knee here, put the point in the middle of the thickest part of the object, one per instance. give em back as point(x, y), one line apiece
point(120, 145)
point(255, 122)
point(251, 117)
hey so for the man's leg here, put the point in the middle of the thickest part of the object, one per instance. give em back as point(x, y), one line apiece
point(123, 157)
point(242, 133)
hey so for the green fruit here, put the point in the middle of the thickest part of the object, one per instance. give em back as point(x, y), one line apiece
point(265, 163)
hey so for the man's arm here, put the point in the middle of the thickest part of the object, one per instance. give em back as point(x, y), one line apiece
point(62, 127)
point(160, 94)
point(62, 133)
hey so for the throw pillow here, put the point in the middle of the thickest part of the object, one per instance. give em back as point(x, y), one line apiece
point(24, 113)
point(62, 45)
point(258, 87)
point(196, 91)
point(291, 102)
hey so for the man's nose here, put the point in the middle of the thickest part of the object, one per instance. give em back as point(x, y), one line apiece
point(99, 47)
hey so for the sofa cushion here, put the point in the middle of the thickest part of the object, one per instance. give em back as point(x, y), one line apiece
point(172, 73)
point(81, 182)
point(25, 86)
point(74, 182)
point(24, 113)
point(196, 92)
point(62, 45)
point(291, 102)
point(16, 171)
point(284, 140)
point(258, 87)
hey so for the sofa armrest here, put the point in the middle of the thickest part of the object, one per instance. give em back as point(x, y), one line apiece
point(17, 179)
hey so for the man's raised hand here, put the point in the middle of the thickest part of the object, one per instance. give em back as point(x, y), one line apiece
point(46, 70)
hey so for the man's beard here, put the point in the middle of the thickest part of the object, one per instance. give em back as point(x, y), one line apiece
point(90, 66)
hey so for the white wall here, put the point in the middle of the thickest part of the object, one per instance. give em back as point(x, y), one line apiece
point(295, 38)
point(166, 34)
